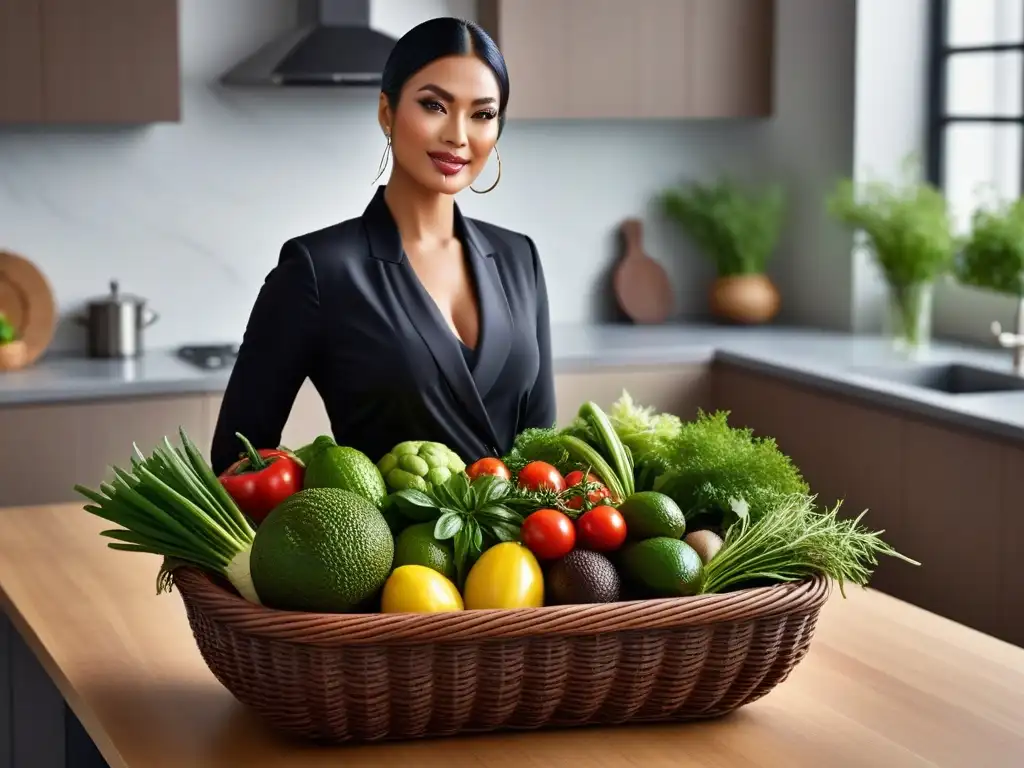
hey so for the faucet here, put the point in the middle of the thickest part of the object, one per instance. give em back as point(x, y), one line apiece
point(1015, 340)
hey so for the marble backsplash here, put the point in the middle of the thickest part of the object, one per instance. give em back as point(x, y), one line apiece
point(191, 215)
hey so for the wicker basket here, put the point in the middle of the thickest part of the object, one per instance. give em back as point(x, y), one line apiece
point(367, 677)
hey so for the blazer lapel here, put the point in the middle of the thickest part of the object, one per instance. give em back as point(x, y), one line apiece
point(386, 245)
point(495, 315)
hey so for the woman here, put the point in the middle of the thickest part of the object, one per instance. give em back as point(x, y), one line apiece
point(412, 321)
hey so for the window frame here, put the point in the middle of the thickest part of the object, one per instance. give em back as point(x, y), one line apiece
point(938, 116)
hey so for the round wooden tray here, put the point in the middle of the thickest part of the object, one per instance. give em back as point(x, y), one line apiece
point(27, 300)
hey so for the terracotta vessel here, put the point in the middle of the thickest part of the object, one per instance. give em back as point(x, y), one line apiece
point(747, 299)
point(13, 355)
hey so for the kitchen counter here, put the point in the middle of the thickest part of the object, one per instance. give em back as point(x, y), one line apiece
point(884, 683)
point(828, 360)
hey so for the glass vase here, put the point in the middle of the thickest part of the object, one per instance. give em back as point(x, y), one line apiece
point(909, 321)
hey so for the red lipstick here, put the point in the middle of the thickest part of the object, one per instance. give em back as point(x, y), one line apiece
point(447, 163)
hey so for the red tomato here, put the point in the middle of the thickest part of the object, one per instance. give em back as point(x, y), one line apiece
point(596, 497)
point(538, 474)
point(549, 534)
point(601, 529)
point(488, 466)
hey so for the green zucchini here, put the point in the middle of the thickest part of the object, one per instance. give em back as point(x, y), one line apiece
point(618, 457)
point(587, 455)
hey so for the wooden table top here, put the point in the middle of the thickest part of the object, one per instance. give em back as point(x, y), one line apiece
point(885, 683)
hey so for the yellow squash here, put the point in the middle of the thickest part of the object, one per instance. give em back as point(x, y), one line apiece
point(418, 589)
point(506, 576)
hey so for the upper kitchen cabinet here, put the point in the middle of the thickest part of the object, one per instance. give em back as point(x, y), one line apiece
point(21, 67)
point(640, 59)
point(96, 62)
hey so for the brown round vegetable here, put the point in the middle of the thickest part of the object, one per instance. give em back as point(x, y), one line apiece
point(707, 544)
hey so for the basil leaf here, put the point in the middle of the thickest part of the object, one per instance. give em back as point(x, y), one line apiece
point(504, 531)
point(458, 485)
point(412, 497)
point(447, 525)
point(413, 505)
point(461, 554)
point(445, 496)
point(478, 537)
point(488, 489)
point(498, 512)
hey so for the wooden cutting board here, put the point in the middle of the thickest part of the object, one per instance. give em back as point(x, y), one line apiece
point(27, 300)
point(641, 284)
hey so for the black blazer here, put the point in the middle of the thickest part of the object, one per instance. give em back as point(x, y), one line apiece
point(344, 308)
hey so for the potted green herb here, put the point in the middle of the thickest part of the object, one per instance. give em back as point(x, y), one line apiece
point(992, 257)
point(13, 351)
point(908, 230)
point(738, 229)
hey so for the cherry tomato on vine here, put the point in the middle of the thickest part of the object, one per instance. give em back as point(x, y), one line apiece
point(595, 497)
point(539, 475)
point(602, 529)
point(488, 466)
point(548, 533)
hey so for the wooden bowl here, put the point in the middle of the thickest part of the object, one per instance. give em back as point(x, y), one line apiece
point(13, 355)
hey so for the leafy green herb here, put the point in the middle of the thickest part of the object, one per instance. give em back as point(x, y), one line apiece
point(794, 540)
point(708, 464)
point(473, 514)
point(646, 432)
point(993, 253)
point(737, 228)
point(538, 444)
point(907, 226)
point(8, 333)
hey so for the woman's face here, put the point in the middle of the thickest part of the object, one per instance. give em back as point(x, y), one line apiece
point(445, 124)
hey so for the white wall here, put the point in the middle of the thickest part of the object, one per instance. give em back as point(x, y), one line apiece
point(890, 118)
point(191, 215)
point(808, 146)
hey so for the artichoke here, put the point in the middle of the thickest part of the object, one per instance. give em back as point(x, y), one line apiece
point(419, 465)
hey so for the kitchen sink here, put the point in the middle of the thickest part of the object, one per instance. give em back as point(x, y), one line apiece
point(950, 378)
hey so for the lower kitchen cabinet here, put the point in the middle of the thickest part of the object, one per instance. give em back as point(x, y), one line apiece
point(678, 389)
point(945, 496)
point(46, 449)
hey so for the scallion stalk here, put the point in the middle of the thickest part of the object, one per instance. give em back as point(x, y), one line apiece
point(172, 504)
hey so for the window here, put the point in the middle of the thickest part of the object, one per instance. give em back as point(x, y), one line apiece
point(976, 120)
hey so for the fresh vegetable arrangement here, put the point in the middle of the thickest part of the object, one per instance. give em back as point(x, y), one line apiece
point(623, 503)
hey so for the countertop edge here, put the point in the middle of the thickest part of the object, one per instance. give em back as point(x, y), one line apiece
point(70, 380)
point(877, 395)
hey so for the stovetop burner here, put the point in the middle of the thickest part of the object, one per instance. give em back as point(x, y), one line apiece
point(209, 357)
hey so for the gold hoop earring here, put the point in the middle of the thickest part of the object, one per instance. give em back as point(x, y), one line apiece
point(383, 161)
point(485, 191)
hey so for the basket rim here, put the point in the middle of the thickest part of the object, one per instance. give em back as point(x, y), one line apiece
point(214, 602)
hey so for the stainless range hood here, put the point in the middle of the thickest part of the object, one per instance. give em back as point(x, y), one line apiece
point(332, 45)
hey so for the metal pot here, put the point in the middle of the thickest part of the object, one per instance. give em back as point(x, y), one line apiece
point(115, 324)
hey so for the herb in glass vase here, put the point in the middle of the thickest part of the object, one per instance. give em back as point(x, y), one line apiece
point(992, 256)
point(908, 230)
point(738, 229)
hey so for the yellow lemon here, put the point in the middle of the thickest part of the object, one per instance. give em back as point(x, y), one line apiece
point(418, 589)
point(506, 576)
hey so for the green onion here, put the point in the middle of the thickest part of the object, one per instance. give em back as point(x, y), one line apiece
point(792, 540)
point(172, 504)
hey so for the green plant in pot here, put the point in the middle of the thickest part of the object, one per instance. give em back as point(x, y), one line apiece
point(738, 228)
point(12, 349)
point(908, 230)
